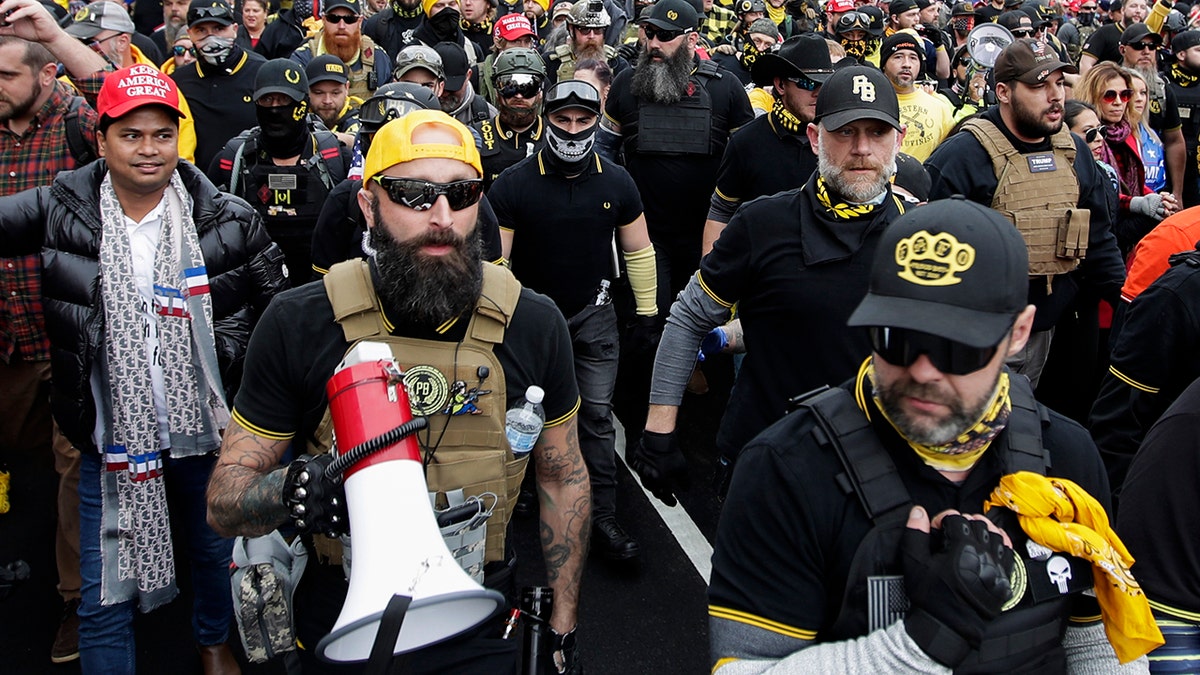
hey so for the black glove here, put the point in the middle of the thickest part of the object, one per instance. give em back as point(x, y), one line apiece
point(564, 653)
point(661, 465)
point(642, 336)
point(629, 52)
point(315, 502)
point(956, 583)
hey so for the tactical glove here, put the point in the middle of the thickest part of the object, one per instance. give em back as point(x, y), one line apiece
point(956, 583)
point(642, 336)
point(315, 501)
point(564, 653)
point(661, 465)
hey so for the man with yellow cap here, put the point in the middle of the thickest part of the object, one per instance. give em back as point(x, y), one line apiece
point(455, 325)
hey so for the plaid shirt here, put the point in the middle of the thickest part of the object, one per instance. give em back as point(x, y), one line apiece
point(27, 161)
point(718, 24)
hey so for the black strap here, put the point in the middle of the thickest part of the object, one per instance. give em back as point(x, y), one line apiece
point(384, 647)
point(1023, 432)
point(77, 143)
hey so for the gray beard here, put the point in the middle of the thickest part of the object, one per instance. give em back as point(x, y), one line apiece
point(858, 191)
point(426, 291)
point(960, 419)
point(1154, 86)
point(663, 82)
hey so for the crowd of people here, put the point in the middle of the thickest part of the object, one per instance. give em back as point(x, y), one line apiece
point(955, 250)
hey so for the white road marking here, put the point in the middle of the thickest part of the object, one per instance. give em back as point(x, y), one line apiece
point(676, 518)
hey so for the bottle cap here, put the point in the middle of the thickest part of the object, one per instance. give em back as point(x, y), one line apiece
point(535, 394)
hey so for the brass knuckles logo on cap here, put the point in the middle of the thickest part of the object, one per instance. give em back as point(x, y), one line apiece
point(672, 14)
point(427, 389)
point(933, 259)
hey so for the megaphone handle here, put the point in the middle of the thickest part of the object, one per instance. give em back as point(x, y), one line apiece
point(383, 650)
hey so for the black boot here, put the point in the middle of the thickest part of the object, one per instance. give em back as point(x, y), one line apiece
point(610, 540)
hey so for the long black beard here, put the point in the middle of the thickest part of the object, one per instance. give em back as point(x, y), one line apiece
point(662, 82)
point(426, 291)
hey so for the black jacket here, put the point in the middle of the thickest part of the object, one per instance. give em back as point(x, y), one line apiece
point(62, 221)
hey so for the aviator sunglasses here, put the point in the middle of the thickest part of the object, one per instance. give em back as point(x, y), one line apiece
point(901, 347)
point(1111, 95)
point(420, 195)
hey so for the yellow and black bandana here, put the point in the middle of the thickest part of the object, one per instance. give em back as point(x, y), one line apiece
point(963, 452)
point(841, 210)
point(1182, 77)
point(784, 118)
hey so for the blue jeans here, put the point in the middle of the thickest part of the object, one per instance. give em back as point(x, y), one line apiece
point(106, 632)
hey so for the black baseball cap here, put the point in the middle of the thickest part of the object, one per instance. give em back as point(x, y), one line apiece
point(912, 176)
point(1029, 61)
point(896, 7)
point(805, 54)
point(963, 9)
point(281, 76)
point(327, 68)
point(454, 64)
point(217, 11)
point(1138, 32)
point(1185, 40)
point(672, 15)
point(857, 93)
point(351, 5)
point(952, 268)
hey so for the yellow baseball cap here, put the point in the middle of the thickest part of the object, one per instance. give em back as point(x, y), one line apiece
point(393, 143)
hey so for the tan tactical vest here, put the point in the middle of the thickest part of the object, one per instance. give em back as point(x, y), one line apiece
point(465, 445)
point(1039, 192)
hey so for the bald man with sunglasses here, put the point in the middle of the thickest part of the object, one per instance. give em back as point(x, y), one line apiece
point(475, 330)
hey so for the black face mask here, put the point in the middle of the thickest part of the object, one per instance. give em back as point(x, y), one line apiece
point(445, 24)
point(1085, 18)
point(284, 128)
point(569, 154)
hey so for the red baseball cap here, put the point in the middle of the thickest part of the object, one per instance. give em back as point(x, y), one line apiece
point(514, 26)
point(839, 6)
point(134, 87)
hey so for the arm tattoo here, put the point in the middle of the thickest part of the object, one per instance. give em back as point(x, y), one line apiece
point(245, 493)
point(565, 493)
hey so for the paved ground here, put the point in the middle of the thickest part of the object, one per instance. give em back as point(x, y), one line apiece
point(645, 618)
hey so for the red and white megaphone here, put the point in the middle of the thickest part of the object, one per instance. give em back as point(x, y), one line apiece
point(398, 549)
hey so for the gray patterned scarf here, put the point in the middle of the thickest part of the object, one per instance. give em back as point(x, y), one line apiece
point(135, 528)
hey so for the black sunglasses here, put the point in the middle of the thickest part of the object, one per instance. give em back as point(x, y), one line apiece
point(804, 83)
point(1022, 32)
point(520, 84)
point(341, 18)
point(662, 34)
point(420, 195)
point(1090, 135)
point(180, 50)
point(901, 347)
point(1142, 46)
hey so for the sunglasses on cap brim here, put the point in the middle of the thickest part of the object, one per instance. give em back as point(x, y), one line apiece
point(902, 347)
point(420, 195)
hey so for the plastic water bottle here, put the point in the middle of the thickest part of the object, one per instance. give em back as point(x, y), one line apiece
point(523, 422)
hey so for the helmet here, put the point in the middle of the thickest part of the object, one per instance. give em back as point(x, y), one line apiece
point(853, 21)
point(589, 14)
point(1175, 22)
point(877, 19)
point(572, 94)
point(519, 61)
point(393, 101)
point(418, 56)
point(744, 6)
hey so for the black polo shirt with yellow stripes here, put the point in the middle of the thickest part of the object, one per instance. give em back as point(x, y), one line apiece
point(500, 146)
point(222, 101)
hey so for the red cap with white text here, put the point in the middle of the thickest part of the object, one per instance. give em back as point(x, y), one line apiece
point(136, 86)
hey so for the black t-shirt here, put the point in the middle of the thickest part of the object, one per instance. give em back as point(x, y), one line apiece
point(501, 147)
point(222, 104)
point(341, 229)
point(1156, 518)
point(1105, 43)
point(797, 275)
point(281, 37)
point(789, 529)
point(763, 159)
point(960, 165)
point(987, 13)
point(289, 362)
point(563, 227)
point(676, 188)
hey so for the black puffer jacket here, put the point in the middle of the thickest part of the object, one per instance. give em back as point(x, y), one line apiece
point(245, 270)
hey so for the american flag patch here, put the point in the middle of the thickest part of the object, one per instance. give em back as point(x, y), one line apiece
point(356, 162)
point(170, 301)
point(197, 280)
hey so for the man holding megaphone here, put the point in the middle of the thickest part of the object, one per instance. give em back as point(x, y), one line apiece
point(455, 326)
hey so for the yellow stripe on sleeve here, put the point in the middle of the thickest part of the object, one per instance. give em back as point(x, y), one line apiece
point(716, 298)
point(259, 431)
point(559, 420)
point(1132, 382)
point(760, 622)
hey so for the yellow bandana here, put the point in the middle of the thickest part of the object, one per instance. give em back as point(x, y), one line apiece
point(788, 121)
point(841, 210)
point(777, 14)
point(1060, 515)
point(963, 452)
